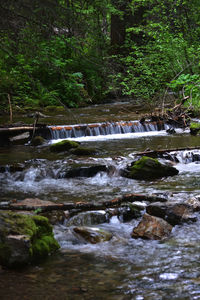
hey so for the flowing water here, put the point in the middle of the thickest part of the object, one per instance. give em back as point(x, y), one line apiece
point(122, 268)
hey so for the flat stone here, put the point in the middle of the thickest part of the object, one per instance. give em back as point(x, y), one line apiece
point(29, 203)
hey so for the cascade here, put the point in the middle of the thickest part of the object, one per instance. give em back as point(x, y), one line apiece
point(96, 129)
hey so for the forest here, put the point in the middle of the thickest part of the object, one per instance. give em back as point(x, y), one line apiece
point(78, 52)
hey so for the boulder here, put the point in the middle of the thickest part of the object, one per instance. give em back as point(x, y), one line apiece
point(174, 214)
point(88, 218)
point(65, 145)
point(37, 141)
point(147, 168)
point(152, 228)
point(24, 239)
point(93, 235)
point(85, 171)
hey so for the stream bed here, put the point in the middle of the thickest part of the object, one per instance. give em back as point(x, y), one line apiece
point(122, 268)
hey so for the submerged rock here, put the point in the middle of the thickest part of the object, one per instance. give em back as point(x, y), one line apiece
point(63, 146)
point(93, 235)
point(24, 239)
point(88, 218)
point(85, 171)
point(152, 228)
point(173, 213)
point(147, 168)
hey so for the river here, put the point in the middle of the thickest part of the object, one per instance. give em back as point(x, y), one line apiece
point(122, 268)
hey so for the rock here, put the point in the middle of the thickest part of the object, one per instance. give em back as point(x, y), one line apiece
point(65, 145)
point(37, 141)
point(93, 235)
point(85, 171)
point(174, 214)
point(20, 138)
point(152, 228)
point(194, 128)
point(129, 212)
point(147, 168)
point(24, 239)
point(194, 203)
point(88, 218)
point(82, 151)
point(171, 131)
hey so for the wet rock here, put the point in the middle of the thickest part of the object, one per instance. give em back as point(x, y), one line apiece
point(147, 168)
point(24, 239)
point(85, 171)
point(194, 128)
point(194, 203)
point(129, 212)
point(37, 141)
point(171, 131)
point(173, 213)
point(83, 151)
point(152, 228)
point(65, 145)
point(88, 219)
point(93, 235)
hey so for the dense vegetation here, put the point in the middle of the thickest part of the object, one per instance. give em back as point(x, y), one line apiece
point(72, 52)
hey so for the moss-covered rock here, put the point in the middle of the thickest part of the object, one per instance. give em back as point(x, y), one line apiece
point(147, 168)
point(24, 239)
point(37, 141)
point(194, 128)
point(63, 146)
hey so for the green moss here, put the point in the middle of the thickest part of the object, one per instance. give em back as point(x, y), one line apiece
point(17, 224)
point(63, 146)
point(195, 126)
point(54, 108)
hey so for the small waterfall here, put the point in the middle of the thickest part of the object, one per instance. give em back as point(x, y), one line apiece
point(96, 129)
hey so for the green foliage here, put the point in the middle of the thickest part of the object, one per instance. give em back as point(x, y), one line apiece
point(61, 52)
point(188, 85)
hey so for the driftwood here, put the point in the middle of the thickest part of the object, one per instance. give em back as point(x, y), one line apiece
point(80, 206)
point(160, 152)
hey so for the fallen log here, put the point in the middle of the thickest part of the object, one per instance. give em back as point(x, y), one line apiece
point(156, 153)
point(47, 206)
